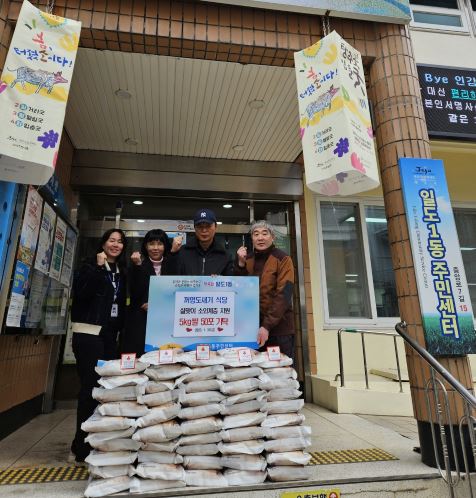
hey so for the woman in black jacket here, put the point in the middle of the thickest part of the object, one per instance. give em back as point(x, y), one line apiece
point(97, 316)
point(150, 261)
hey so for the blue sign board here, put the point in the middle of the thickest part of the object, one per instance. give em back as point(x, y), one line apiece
point(185, 312)
point(447, 314)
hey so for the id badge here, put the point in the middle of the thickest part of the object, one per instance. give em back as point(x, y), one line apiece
point(114, 310)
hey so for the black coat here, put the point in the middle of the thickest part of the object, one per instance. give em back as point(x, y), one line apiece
point(93, 296)
point(193, 260)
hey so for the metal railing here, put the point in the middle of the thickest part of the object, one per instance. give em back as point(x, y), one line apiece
point(436, 391)
point(363, 333)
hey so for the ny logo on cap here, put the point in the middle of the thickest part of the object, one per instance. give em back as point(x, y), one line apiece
point(203, 214)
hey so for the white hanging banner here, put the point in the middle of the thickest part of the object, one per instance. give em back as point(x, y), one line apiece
point(336, 131)
point(34, 89)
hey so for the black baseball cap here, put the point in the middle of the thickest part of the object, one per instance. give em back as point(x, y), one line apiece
point(204, 216)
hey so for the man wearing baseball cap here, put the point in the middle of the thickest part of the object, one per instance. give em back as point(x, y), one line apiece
point(202, 256)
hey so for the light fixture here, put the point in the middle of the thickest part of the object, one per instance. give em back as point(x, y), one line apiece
point(351, 275)
point(138, 203)
point(238, 148)
point(123, 94)
point(227, 206)
point(368, 220)
point(140, 221)
point(131, 141)
point(219, 222)
point(351, 281)
point(256, 104)
point(468, 248)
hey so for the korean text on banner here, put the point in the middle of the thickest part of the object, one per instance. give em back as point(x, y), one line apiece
point(445, 303)
point(336, 131)
point(34, 89)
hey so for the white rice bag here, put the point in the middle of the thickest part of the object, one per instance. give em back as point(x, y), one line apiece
point(197, 399)
point(158, 457)
point(247, 406)
point(101, 458)
point(199, 386)
point(288, 458)
point(210, 437)
point(158, 414)
point(198, 450)
point(123, 409)
point(159, 433)
point(158, 387)
point(204, 373)
point(285, 432)
point(125, 444)
point(208, 478)
point(234, 374)
point(169, 447)
point(202, 462)
point(264, 361)
point(152, 357)
point(244, 462)
point(288, 406)
point(268, 382)
point(243, 420)
point(166, 372)
point(281, 372)
point(193, 412)
point(242, 434)
point(157, 399)
point(243, 397)
point(98, 423)
point(243, 477)
point(96, 438)
point(240, 386)
point(123, 380)
point(201, 426)
point(287, 444)
point(283, 394)
point(113, 367)
point(167, 472)
point(127, 393)
point(190, 359)
point(110, 471)
point(289, 473)
point(284, 419)
point(151, 485)
point(104, 487)
point(251, 447)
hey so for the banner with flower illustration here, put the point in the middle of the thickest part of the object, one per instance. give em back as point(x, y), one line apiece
point(34, 89)
point(336, 131)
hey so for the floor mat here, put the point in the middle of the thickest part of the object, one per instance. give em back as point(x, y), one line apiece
point(32, 475)
point(350, 456)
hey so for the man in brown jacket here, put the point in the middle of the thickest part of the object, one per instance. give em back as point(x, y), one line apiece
point(276, 282)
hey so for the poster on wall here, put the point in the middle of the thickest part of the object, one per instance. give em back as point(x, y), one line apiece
point(58, 249)
point(445, 303)
point(36, 298)
point(30, 227)
point(185, 312)
point(69, 247)
point(45, 239)
point(336, 130)
point(17, 296)
point(34, 89)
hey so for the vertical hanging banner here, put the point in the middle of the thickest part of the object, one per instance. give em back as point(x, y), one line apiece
point(34, 89)
point(336, 131)
point(445, 303)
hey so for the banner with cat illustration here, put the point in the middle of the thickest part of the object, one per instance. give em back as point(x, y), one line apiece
point(336, 131)
point(34, 89)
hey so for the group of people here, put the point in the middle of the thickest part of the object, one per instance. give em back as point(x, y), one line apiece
point(100, 316)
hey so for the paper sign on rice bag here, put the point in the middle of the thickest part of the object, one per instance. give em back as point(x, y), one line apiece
point(203, 352)
point(166, 356)
point(128, 361)
point(274, 353)
point(244, 355)
point(34, 89)
point(336, 131)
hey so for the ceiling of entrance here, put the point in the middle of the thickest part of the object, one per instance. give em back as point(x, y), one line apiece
point(183, 107)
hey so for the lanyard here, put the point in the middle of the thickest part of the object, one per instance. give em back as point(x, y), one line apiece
point(116, 283)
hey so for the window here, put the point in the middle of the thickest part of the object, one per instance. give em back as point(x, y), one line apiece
point(359, 279)
point(438, 14)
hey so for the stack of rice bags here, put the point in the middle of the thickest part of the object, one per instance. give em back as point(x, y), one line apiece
point(243, 411)
point(286, 437)
point(111, 427)
point(159, 466)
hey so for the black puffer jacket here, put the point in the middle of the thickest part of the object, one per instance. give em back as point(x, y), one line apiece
point(193, 260)
point(93, 295)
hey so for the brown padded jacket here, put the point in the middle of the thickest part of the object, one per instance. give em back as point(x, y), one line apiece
point(276, 282)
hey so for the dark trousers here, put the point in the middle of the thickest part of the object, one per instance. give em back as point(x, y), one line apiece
point(88, 349)
point(286, 344)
